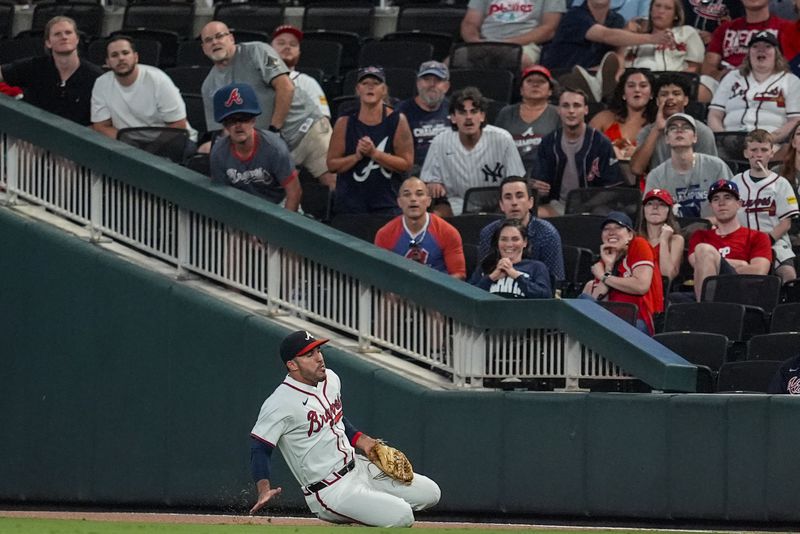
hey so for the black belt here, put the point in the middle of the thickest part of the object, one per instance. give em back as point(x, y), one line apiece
point(316, 486)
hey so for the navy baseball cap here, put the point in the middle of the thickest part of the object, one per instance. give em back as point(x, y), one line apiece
point(236, 98)
point(299, 343)
point(764, 36)
point(373, 71)
point(619, 218)
point(723, 185)
point(437, 68)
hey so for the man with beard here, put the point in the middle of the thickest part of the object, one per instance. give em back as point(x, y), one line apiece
point(672, 96)
point(60, 82)
point(253, 160)
point(286, 41)
point(421, 236)
point(132, 95)
point(428, 111)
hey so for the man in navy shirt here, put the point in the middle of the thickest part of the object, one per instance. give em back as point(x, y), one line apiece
point(427, 112)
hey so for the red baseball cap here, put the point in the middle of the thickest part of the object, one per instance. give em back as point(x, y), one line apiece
point(287, 28)
point(538, 69)
point(661, 194)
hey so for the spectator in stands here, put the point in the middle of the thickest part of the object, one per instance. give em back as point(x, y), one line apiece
point(370, 150)
point(790, 40)
point(627, 9)
point(787, 379)
point(790, 168)
point(544, 241)
point(587, 38)
point(573, 156)
point(672, 96)
point(472, 154)
point(532, 118)
point(728, 248)
point(287, 109)
point(685, 53)
point(60, 82)
point(687, 175)
point(132, 95)
point(627, 271)
point(528, 23)
point(762, 93)
point(769, 202)
point(631, 108)
point(286, 41)
point(427, 112)
point(248, 158)
point(707, 15)
point(507, 271)
point(727, 48)
point(421, 236)
point(659, 226)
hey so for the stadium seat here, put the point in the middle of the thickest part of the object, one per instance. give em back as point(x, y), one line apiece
point(397, 54)
point(493, 84)
point(176, 17)
point(149, 51)
point(751, 376)
point(254, 16)
point(431, 18)
point(168, 39)
point(626, 311)
point(168, 143)
point(87, 15)
point(759, 294)
point(724, 318)
point(322, 54)
point(441, 42)
point(188, 79)
point(577, 269)
point(195, 114)
point(190, 54)
point(785, 318)
point(344, 16)
point(482, 200)
point(777, 346)
point(349, 41)
point(602, 200)
point(471, 224)
point(487, 55)
point(699, 348)
point(6, 19)
point(579, 230)
point(14, 49)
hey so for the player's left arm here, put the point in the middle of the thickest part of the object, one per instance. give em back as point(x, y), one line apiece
point(284, 92)
point(357, 438)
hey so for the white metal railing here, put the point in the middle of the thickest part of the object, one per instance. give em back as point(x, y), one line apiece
point(195, 243)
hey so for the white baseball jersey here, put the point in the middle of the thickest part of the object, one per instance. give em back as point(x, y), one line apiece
point(749, 104)
point(764, 204)
point(449, 163)
point(306, 423)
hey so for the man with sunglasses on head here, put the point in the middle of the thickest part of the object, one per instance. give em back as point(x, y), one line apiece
point(287, 109)
point(248, 158)
point(421, 236)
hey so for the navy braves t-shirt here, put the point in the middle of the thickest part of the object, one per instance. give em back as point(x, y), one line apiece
point(425, 125)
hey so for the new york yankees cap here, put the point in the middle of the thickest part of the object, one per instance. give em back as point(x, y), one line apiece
point(661, 194)
point(236, 98)
point(288, 28)
point(723, 185)
point(437, 68)
point(373, 71)
point(764, 36)
point(299, 343)
point(618, 217)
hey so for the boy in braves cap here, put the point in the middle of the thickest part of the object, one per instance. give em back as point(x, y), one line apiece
point(728, 248)
point(247, 158)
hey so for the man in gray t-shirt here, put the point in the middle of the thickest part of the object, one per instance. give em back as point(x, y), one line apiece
point(672, 92)
point(286, 109)
point(525, 22)
point(687, 175)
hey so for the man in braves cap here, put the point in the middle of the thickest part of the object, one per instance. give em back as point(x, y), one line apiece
point(427, 112)
point(686, 174)
point(729, 247)
point(286, 41)
point(305, 418)
point(533, 117)
point(253, 160)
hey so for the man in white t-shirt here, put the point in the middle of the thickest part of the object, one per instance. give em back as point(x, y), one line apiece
point(473, 154)
point(132, 95)
point(529, 23)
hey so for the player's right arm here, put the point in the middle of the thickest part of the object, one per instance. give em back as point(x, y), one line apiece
point(260, 456)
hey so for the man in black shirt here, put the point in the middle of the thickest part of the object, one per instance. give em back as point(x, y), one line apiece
point(60, 82)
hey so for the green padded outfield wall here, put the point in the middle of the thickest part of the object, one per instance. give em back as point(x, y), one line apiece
point(121, 386)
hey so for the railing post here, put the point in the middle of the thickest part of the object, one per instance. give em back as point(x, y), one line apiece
point(12, 168)
point(469, 355)
point(364, 316)
point(96, 208)
point(183, 243)
point(572, 364)
point(274, 275)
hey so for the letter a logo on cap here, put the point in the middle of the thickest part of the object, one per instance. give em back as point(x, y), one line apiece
point(308, 336)
point(234, 98)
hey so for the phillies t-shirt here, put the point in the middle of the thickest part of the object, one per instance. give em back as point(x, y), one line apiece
point(743, 244)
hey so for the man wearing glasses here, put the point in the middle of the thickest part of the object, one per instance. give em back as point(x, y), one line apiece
point(421, 236)
point(248, 158)
point(287, 110)
point(687, 174)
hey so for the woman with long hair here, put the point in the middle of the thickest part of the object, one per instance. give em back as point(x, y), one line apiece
point(631, 108)
point(761, 93)
point(790, 168)
point(659, 226)
point(507, 271)
point(686, 51)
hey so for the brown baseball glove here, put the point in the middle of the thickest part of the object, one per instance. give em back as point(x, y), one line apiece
point(392, 462)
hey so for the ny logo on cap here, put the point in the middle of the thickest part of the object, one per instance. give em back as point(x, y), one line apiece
point(235, 98)
point(308, 336)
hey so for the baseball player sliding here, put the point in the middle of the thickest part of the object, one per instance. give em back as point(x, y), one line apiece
point(305, 418)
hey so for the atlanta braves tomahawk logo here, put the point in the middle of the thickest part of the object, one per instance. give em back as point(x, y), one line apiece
point(234, 98)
